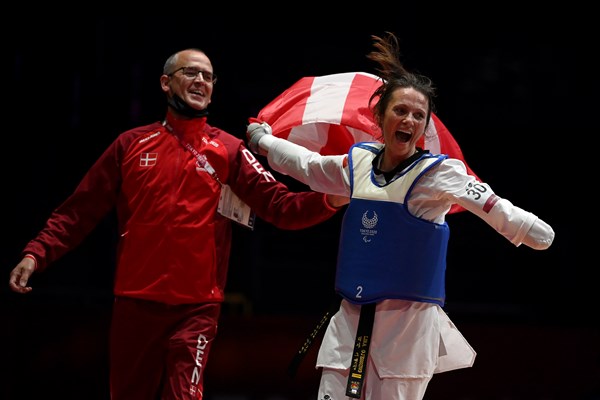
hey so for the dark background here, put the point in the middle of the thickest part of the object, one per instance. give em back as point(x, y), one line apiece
point(515, 94)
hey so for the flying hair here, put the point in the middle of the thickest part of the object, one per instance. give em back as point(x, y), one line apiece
point(394, 75)
point(386, 55)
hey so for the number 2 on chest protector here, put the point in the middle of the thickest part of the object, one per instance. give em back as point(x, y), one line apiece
point(358, 292)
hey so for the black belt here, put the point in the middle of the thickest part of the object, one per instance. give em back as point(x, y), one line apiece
point(358, 368)
point(301, 353)
point(361, 348)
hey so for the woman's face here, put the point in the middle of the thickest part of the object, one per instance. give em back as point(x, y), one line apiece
point(403, 124)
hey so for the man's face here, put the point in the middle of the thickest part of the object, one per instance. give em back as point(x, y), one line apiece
point(192, 80)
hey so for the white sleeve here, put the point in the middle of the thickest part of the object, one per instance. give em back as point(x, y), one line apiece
point(519, 226)
point(325, 174)
point(514, 223)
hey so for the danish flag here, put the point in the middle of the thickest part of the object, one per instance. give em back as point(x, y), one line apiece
point(330, 113)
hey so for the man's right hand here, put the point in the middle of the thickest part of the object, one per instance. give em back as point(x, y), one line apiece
point(19, 276)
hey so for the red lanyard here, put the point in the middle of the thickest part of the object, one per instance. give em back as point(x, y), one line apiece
point(202, 160)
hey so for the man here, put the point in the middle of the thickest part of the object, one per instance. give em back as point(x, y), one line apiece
point(173, 184)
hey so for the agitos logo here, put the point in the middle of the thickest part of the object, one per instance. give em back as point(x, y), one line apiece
point(369, 225)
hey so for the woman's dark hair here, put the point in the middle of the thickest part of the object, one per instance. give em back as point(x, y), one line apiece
point(394, 76)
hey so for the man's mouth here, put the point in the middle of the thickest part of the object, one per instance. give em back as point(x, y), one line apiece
point(403, 137)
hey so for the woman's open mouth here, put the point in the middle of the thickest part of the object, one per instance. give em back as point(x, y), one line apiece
point(403, 136)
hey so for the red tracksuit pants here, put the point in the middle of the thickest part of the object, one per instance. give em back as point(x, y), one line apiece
point(159, 351)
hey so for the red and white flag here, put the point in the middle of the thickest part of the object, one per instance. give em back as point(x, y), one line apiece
point(330, 113)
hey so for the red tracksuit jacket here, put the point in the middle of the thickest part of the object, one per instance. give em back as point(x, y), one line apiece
point(174, 246)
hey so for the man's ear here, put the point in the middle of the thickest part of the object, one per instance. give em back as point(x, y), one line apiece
point(164, 83)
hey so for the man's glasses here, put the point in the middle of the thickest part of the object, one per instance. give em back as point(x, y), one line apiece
point(192, 73)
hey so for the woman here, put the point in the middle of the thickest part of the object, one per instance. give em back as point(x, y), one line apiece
point(391, 334)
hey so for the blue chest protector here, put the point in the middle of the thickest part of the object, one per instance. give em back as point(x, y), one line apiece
point(385, 252)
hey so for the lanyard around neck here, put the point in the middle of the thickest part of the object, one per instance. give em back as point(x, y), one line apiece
point(202, 160)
